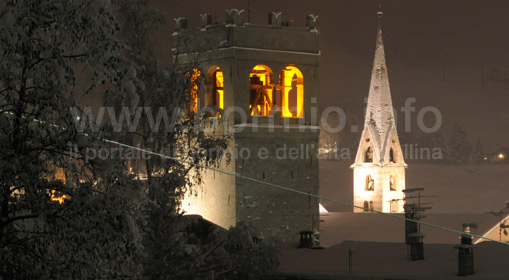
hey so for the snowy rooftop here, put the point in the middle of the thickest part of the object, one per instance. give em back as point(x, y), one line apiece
point(377, 260)
point(339, 227)
point(463, 194)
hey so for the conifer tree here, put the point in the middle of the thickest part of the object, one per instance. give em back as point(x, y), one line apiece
point(460, 149)
point(478, 151)
point(438, 141)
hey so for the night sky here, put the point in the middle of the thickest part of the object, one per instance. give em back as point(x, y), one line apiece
point(448, 54)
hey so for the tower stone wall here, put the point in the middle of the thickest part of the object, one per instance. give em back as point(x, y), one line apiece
point(266, 148)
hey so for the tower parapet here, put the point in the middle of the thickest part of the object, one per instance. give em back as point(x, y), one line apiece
point(236, 32)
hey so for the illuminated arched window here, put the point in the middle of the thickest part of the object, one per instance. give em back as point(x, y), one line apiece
point(216, 83)
point(368, 156)
point(392, 183)
point(260, 91)
point(366, 206)
point(292, 92)
point(370, 183)
point(192, 91)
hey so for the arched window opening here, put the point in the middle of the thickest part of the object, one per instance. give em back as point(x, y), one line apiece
point(292, 92)
point(366, 206)
point(371, 207)
point(216, 93)
point(391, 156)
point(368, 156)
point(260, 91)
point(392, 183)
point(370, 183)
point(192, 91)
point(217, 96)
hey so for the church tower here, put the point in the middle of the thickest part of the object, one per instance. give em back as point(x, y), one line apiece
point(379, 168)
point(262, 80)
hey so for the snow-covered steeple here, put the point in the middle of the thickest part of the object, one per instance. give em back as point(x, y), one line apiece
point(379, 168)
point(379, 124)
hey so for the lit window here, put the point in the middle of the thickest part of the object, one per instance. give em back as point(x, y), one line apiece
point(501, 156)
point(392, 183)
point(292, 92)
point(216, 97)
point(55, 195)
point(370, 183)
point(193, 90)
point(260, 91)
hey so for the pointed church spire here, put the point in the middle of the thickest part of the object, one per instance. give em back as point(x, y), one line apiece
point(379, 168)
point(379, 37)
point(379, 121)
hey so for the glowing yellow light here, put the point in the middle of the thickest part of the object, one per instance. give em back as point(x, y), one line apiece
point(60, 198)
point(501, 156)
point(261, 72)
point(219, 86)
point(193, 91)
point(54, 195)
point(292, 89)
point(260, 91)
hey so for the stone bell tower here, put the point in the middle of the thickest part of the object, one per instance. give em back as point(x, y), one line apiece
point(379, 168)
point(263, 79)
